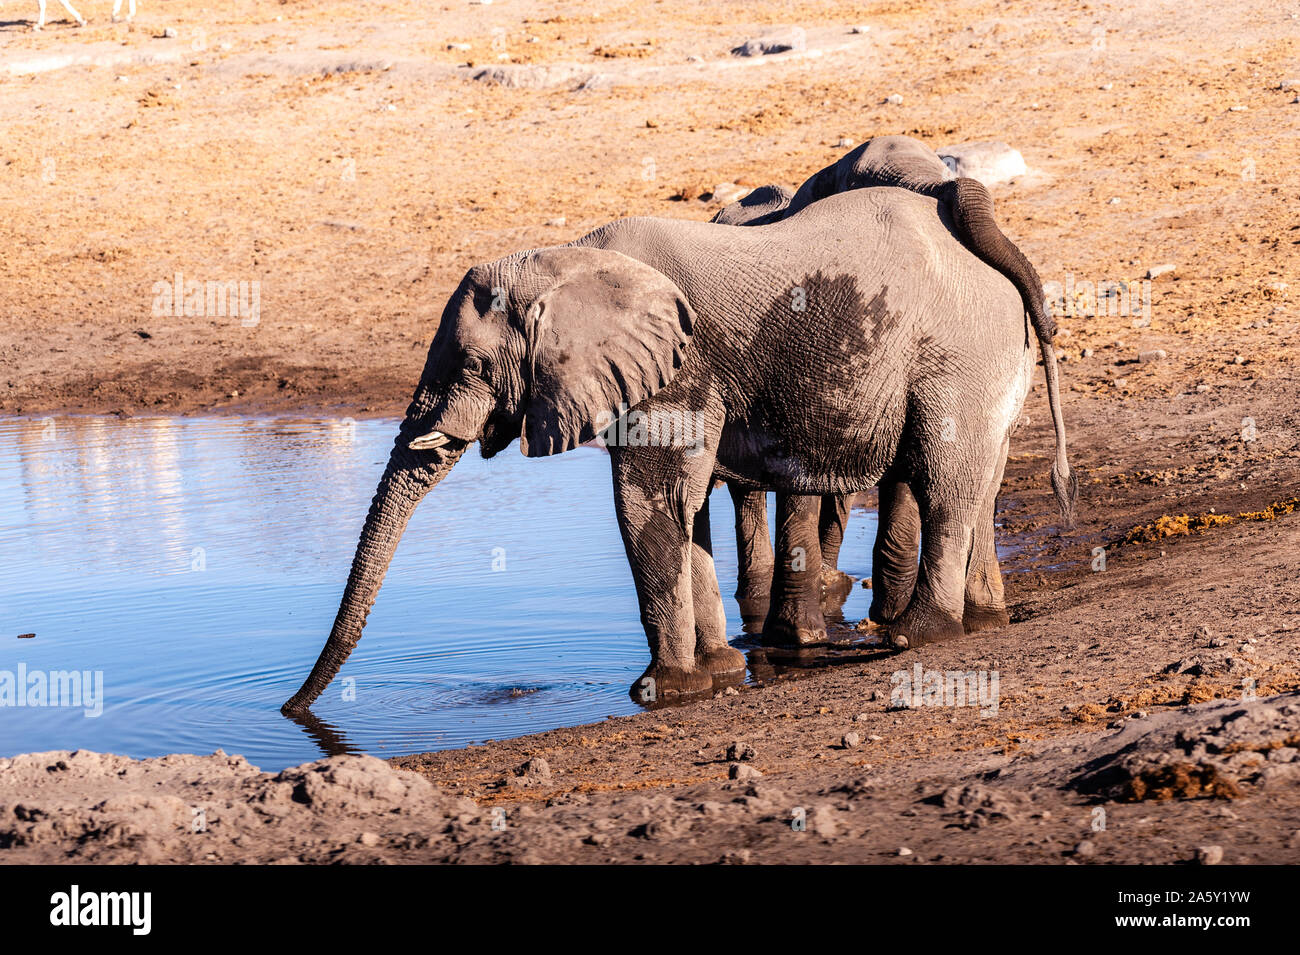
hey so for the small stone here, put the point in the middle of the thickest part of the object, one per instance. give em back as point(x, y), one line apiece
point(850, 740)
point(1202, 389)
point(1085, 848)
point(368, 839)
point(894, 99)
point(535, 768)
point(1288, 84)
point(729, 192)
point(652, 124)
point(1106, 86)
point(1239, 360)
point(860, 28)
point(742, 772)
point(1113, 201)
point(1188, 665)
point(1158, 270)
point(991, 162)
point(1153, 354)
point(779, 42)
point(1209, 855)
point(1236, 109)
point(875, 738)
point(557, 221)
point(904, 851)
point(739, 751)
point(1086, 353)
point(845, 143)
point(862, 717)
point(460, 46)
point(731, 691)
point(879, 696)
point(170, 33)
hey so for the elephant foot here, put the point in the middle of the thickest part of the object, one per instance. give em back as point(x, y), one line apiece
point(753, 611)
point(660, 682)
point(919, 626)
point(803, 632)
point(884, 611)
point(984, 618)
point(721, 661)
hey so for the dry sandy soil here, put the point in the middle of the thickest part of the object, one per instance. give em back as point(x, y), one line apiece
point(346, 157)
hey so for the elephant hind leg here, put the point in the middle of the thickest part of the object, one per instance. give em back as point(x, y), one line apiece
point(949, 508)
point(894, 554)
point(712, 650)
point(795, 616)
point(985, 606)
point(754, 560)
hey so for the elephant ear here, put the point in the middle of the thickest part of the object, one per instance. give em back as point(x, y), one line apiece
point(608, 333)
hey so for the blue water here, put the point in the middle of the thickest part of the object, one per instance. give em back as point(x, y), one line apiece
point(198, 564)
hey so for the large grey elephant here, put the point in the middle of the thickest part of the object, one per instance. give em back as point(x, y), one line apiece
point(784, 357)
point(810, 530)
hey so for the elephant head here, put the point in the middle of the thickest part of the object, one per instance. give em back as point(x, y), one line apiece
point(545, 346)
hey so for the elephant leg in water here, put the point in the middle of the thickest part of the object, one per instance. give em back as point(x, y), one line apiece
point(712, 651)
point(754, 557)
point(795, 615)
point(785, 596)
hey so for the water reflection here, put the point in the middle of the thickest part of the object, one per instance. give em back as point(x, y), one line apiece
point(198, 563)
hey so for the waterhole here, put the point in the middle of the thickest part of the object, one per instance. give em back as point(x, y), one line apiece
point(192, 568)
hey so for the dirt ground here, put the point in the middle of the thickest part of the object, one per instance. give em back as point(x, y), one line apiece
point(346, 158)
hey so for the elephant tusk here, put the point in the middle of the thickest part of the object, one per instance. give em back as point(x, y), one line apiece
point(427, 442)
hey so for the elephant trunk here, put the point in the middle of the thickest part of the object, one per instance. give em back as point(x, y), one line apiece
point(407, 478)
point(976, 226)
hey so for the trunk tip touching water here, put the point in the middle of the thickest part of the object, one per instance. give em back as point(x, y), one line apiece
point(405, 482)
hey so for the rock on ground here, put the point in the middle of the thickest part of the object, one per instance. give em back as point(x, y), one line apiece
point(992, 163)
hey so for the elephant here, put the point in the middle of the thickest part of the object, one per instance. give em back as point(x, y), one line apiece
point(810, 532)
point(693, 326)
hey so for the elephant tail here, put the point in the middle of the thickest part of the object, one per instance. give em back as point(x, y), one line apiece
point(972, 208)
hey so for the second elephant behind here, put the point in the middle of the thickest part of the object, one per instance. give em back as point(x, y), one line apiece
point(784, 588)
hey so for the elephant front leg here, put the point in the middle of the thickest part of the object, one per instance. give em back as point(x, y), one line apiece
point(754, 560)
point(795, 616)
point(986, 606)
point(656, 523)
point(712, 650)
point(894, 554)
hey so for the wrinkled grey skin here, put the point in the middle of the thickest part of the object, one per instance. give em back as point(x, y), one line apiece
point(809, 532)
point(694, 320)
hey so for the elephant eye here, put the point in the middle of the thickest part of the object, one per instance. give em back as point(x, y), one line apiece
point(473, 364)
